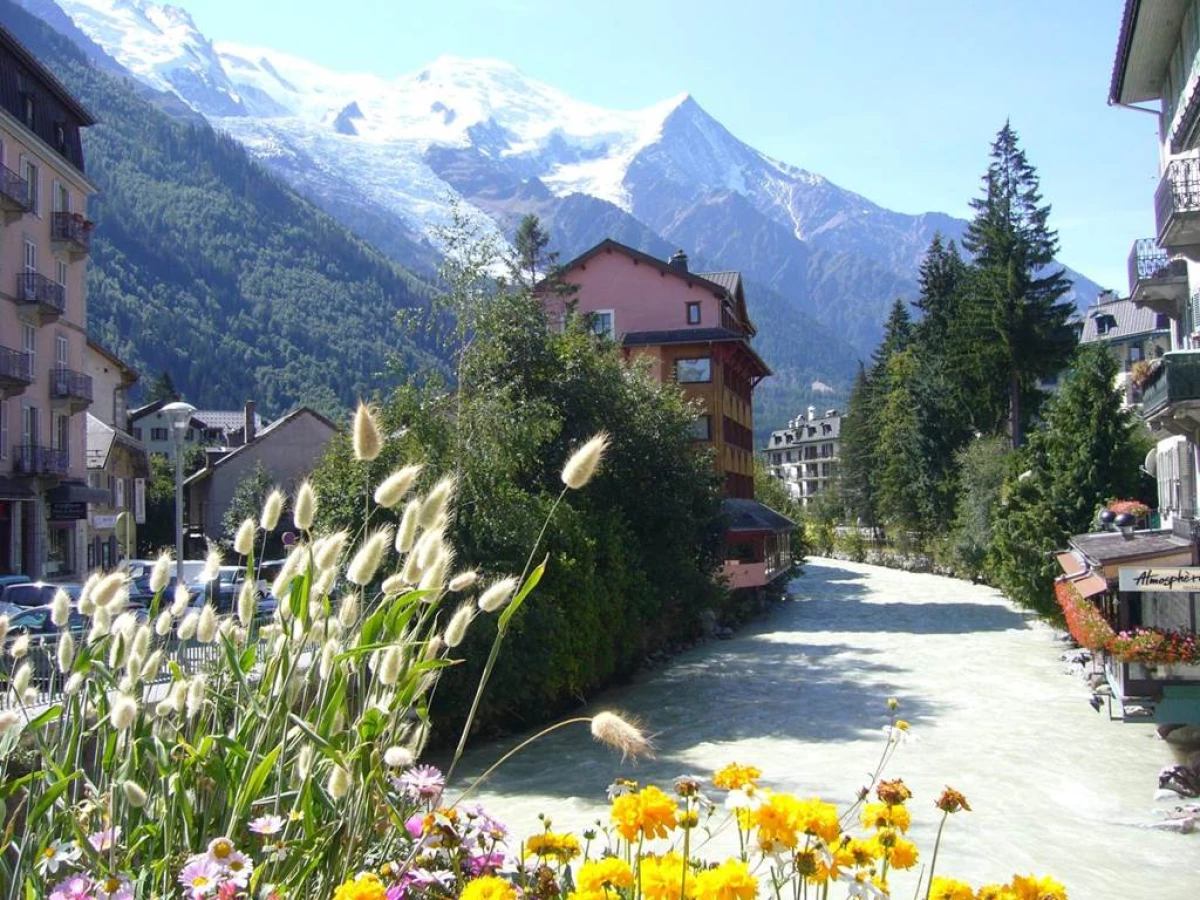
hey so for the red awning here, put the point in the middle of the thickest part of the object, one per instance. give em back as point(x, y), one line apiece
point(1090, 585)
point(1070, 564)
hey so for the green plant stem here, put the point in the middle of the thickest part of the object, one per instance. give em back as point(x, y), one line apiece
point(933, 860)
point(513, 752)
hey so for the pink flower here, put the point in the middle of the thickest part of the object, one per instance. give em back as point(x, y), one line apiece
point(422, 782)
point(227, 891)
point(102, 841)
point(201, 876)
point(114, 887)
point(237, 869)
point(397, 891)
point(415, 825)
point(267, 824)
point(484, 864)
point(77, 887)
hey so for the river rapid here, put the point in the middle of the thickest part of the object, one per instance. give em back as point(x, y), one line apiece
point(1056, 788)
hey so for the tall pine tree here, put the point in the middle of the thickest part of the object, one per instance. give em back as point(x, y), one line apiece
point(860, 437)
point(1017, 310)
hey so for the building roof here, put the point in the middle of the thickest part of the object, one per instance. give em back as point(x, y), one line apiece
point(695, 336)
point(266, 433)
point(9, 42)
point(225, 420)
point(1148, 33)
point(101, 438)
point(1107, 547)
point(750, 515)
point(805, 431)
point(730, 281)
point(1126, 321)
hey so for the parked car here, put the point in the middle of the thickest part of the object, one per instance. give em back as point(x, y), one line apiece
point(36, 621)
point(7, 581)
point(37, 593)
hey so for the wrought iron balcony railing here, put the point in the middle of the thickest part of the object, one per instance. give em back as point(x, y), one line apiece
point(1177, 202)
point(14, 190)
point(30, 459)
point(1175, 379)
point(15, 366)
point(72, 229)
point(67, 384)
point(35, 288)
point(1149, 262)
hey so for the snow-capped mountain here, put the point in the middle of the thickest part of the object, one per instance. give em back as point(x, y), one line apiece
point(391, 154)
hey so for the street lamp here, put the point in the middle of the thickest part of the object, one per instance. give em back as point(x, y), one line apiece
point(180, 416)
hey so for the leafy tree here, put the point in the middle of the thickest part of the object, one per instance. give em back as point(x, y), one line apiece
point(246, 502)
point(1016, 319)
point(982, 465)
point(1087, 451)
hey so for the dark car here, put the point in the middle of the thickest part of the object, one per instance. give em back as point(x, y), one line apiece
point(37, 593)
point(7, 581)
point(36, 621)
point(141, 595)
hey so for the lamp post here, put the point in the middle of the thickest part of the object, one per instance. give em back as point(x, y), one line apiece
point(180, 415)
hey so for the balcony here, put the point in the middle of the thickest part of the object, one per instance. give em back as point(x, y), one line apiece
point(14, 195)
point(47, 298)
point(71, 233)
point(30, 459)
point(16, 372)
point(1171, 394)
point(71, 390)
point(1156, 281)
point(1177, 207)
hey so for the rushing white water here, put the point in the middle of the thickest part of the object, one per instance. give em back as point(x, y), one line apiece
point(1055, 787)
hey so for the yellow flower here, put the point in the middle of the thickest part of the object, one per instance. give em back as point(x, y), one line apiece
point(830, 867)
point(733, 777)
point(1030, 887)
point(649, 813)
point(562, 847)
point(880, 815)
point(820, 818)
point(863, 852)
point(995, 892)
point(949, 889)
point(365, 887)
point(778, 821)
point(731, 880)
point(661, 877)
point(902, 854)
point(609, 872)
point(489, 887)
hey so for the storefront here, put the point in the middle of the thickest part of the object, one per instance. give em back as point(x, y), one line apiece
point(66, 514)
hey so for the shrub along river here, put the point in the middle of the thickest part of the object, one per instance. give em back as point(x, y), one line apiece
point(1056, 788)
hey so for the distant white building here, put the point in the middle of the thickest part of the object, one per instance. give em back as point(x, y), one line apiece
point(213, 430)
point(805, 455)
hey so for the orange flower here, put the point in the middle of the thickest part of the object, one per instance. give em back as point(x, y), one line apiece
point(952, 801)
point(661, 877)
point(729, 881)
point(597, 874)
point(649, 813)
point(733, 777)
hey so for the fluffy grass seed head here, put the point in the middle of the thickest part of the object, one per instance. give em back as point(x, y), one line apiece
point(457, 629)
point(160, 572)
point(123, 712)
point(398, 757)
point(305, 507)
point(181, 601)
point(584, 461)
point(434, 577)
point(329, 654)
point(22, 678)
point(196, 690)
point(101, 623)
point(391, 665)
point(247, 604)
point(187, 627)
point(243, 541)
point(66, 651)
point(212, 564)
point(141, 642)
point(206, 624)
point(60, 608)
point(86, 601)
point(395, 585)
point(366, 561)
point(9, 719)
point(497, 594)
point(272, 509)
point(74, 683)
point(436, 501)
point(621, 734)
point(367, 440)
point(348, 612)
point(20, 647)
point(394, 488)
point(328, 549)
point(135, 794)
point(464, 580)
point(107, 588)
point(406, 534)
point(3, 628)
point(339, 782)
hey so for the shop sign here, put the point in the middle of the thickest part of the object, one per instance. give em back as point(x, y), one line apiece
point(1182, 579)
point(139, 501)
point(104, 523)
point(62, 512)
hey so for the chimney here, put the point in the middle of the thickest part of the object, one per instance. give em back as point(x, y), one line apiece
point(812, 413)
point(248, 426)
point(678, 261)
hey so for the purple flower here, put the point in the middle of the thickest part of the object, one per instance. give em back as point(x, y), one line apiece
point(484, 864)
point(102, 841)
point(236, 869)
point(397, 891)
point(77, 887)
point(422, 782)
point(484, 825)
point(424, 878)
point(201, 876)
point(267, 824)
point(415, 825)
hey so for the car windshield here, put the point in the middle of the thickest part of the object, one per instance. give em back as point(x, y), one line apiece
point(31, 620)
point(28, 594)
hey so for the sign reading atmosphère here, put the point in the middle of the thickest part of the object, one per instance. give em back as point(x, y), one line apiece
point(1183, 578)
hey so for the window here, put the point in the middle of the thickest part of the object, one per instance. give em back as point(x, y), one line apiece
point(1135, 353)
point(61, 197)
point(60, 138)
point(30, 174)
point(158, 434)
point(191, 435)
point(3, 429)
point(60, 275)
point(702, 428)
point(29, 426)
point(1162, 322)
point(119, 486)
point(602, 323)
point(693, 313)
point(693, 371)
point(61, 349)
point(62, 436)
point(29, 345)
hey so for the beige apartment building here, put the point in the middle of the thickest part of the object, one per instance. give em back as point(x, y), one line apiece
point(44, 393)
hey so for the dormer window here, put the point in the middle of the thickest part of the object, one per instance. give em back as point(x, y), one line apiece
point(1105, 323)
point(1162, 322)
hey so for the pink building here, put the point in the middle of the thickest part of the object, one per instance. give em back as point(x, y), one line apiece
point(44, 391)
point(695, 330)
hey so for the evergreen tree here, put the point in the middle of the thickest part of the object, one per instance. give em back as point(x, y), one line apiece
point(902, 491)
point(857, 469)
point(530, 260)
point(897, 335)
point(1017, 311)
point(940, 276)
point(162, 387)
point(1087, 452)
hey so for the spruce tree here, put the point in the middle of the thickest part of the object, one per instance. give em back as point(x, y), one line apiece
point(940, 276)
point(1018, 309)
point(903, 490)
point(897, 335)
point(857, 469)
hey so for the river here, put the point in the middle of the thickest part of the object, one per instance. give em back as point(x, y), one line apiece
point(1056, 788)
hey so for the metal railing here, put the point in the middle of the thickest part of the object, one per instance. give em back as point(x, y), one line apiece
point(30, 459)
point(1178, 192)
point(34, 287)
point(67, 226)
point(16, 365)
point(1176, 379)
point(1148, 261)
point(14, 188)
point(67, 384)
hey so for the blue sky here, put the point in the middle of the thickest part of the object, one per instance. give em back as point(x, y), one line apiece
point(896, 100)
